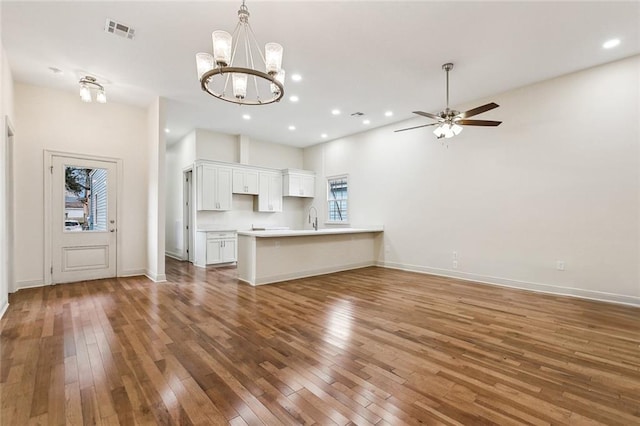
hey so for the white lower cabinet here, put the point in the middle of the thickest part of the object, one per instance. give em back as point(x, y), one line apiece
point(215, 247)
point(221, 251)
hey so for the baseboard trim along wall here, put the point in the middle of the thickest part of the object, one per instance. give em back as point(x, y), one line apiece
point(174, 255)
point(309, 273)
point(156, 278)
point(522, 285)
point(4, 309)
point(502, 282)
point(133, 272)
point(20, 285)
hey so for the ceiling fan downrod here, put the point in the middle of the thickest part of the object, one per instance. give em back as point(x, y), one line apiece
point(447, 67)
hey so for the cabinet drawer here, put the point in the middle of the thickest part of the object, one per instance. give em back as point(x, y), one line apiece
point(220, 235)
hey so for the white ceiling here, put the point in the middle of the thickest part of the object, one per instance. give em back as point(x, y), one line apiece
point(358, 56)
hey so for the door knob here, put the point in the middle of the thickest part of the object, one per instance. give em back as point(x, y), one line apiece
point(112, 230)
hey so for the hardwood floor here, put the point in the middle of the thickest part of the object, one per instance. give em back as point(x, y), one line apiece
point(371, 346)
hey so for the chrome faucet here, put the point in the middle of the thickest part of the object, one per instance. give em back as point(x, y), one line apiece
point(314, 223)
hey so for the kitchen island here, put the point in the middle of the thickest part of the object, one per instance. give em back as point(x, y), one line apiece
point(266, 257)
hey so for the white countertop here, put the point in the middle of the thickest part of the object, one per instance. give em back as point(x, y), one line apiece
point(215, 228)
point(308, 232)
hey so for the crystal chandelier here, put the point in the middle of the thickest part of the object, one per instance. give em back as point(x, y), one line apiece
point(231, 74)
point(87, 84)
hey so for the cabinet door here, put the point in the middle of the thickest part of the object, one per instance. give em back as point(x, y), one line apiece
point(251, 182)
point(275, 193)
point(214, 252)
point(264, 201)
point(293, 185)
point(206, 193)
point(299, 185)
point(238, 182)
point(223, 189)
point(263, 193)
point(270, 194)
point(308, 186)
point(228, 250)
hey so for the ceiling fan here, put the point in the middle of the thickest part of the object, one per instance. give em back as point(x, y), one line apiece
point(450, 121)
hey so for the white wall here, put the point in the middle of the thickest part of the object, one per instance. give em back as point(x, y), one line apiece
point(179, 156)
point(4, 243)
point(216, 146)
point(276, 156)
point(47, 119)
point(156, 190)
point(558, 180)
point(6, 112)
point(207, 145)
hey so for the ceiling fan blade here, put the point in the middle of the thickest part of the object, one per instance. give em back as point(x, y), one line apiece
point(478, 110)
point(417, 127)
point(478, 122)
point(428, 114)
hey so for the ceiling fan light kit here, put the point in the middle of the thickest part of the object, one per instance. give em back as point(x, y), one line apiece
point(449, 122)
point(231, 73)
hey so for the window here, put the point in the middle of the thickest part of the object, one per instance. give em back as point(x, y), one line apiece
point(337, 196)
point(85, 206)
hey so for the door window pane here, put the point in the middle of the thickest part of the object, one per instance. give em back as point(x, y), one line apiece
point(85, 201)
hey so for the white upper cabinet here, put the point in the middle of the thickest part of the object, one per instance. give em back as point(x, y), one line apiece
point(270, 192)
point(299, 183)
point(245, 181)
point(213, 187)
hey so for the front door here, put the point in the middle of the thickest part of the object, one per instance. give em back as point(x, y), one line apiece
point(83, 219)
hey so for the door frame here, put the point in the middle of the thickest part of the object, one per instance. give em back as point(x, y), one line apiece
point(8, 134)
point(188, 216)
point(48, 206)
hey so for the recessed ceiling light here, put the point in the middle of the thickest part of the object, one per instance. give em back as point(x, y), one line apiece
point(324, 136)
point(388, 114)
point(167, 130)
point(335, 111)
point(294, 98)
point(246, 116)
point(611, 43)
point(292, 128)
point(296, 77)
point(366, 122)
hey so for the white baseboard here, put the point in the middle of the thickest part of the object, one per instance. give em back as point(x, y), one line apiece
point(174, 255)
point(132, 272)
point(522, 285)
point(20, 285)
point(4, 309)
point(156, 278)
point(309, 273)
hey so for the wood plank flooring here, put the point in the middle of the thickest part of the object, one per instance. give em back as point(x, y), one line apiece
point(371, 346)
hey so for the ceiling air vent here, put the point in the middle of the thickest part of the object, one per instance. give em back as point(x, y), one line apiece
point(119, 29)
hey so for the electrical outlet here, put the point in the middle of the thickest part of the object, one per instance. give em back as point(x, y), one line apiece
point(454, 255)
point(455, 264)
point(560, 265)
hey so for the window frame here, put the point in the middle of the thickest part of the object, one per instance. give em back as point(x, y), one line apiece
point(329, 179)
